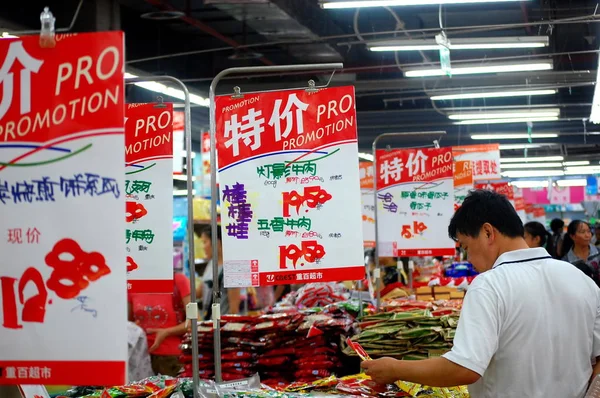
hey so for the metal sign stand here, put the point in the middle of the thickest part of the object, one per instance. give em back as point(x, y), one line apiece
point(192, 308)
point(216, 306)
point(375, 175)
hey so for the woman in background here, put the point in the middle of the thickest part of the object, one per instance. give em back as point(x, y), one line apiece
point(555, 242)
point(162, 316)
point(231, 299)
point(579, 251)
point(535, 234)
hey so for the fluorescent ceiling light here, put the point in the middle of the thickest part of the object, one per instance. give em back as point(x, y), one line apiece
point(170, 91)
point(595, 114)
point(582, 170)
point(393, 3)
point(532, 159)
point(533, 173)
point(533, 113)
point(365, 156)
point(511, 136)
point(529, 165)
point(493, 94)
point(469, 70)
point(576, 182)
point(509, 120)
point(475, 43)
point(508, 147)
point(577, 163)
point(530, 183)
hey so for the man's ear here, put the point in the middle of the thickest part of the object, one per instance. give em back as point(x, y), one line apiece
point(488, 231)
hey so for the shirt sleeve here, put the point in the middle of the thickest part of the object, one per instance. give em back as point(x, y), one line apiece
point(596, 347)
point(183, 284)
point(476, 339)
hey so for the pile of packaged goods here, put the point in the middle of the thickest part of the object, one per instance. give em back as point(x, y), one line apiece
point(356, 385)
point(314, 295)
point(282, 347)
point(409, 329)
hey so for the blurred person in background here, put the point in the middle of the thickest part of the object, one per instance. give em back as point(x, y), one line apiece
point(555, 242)
point(231, 299)
point(536, 234)
point(162, 316)
point(597, 233)
point(579, 250)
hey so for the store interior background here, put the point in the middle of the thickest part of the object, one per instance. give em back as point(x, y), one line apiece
point(193, 40)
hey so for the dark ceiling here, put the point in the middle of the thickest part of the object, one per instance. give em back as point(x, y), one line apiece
point(216, 34)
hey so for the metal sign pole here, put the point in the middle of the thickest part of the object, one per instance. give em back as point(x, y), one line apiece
point(192, 307)
point(216, 307)
point(375, 176)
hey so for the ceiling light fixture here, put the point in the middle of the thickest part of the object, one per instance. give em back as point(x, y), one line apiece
point(577, 163)
point(532, 159)
point(582, 170)
point(493, 94)
point(533, 173)
point(529, 165)
point(478, 69)
point(517, 114)
point(475, 43)
point(510, 120)
point(508, 147)
point(595, 114)
point(329, 4)
point(574, 182)
point(530, 183)
point(510, 136)
point(170, 91)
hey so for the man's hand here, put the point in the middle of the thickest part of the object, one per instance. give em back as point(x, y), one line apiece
point(161, 335)
point(382, 371)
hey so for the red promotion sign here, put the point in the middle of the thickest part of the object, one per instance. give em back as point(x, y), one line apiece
point(61, 209)
point(149, 207)
point(520, 204)
point(290, 192)
point(503, 188)
point(415, 201)
point(365, 170)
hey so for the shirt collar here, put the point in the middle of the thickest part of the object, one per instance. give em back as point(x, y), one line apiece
point(571, 257)
point(522, 255)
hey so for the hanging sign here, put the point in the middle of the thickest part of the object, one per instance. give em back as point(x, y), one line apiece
point(463, 181)
point(368, 203)
point(415, 201)
point(539, 215)
point(290, 188)
point(149, 201)
point(520, 208)
point(61, 204)
point(205, 159)
point(485, 160)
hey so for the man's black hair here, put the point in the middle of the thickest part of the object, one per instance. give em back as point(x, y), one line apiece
point(207, 230)
point(484, 206)
point(557, 225)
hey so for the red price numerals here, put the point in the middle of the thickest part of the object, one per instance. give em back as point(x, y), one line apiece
point(313, 196)
point(70, 264)
point(410, 231)
point(311, 250)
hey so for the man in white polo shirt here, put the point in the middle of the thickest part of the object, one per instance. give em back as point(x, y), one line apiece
point(530, 325)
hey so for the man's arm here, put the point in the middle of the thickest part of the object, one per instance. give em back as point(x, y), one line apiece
point(436, 372)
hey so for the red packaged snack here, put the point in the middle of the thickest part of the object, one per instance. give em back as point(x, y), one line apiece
point(312, 373)
point(315, 365)
point(280, 352)
point(241, 365)
point(236, 356)
point(273, 361)
point(315, 358)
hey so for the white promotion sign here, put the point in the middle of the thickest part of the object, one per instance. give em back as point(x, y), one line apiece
point(63, 311)
point(485, 160)
point(415, 201)
point(149, 206)
point(290, 189)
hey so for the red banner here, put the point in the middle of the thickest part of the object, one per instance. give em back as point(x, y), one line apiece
point(365, 170)
point(67, 97)
point(503, 188)
point(148, 132)
point(263, 123)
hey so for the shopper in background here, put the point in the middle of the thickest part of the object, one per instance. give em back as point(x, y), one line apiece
point(162, 316)
point(580, 251)
point(597, 233)
point(231, 299)
point(555, 241)
point(535, 234)
point(529, 326)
